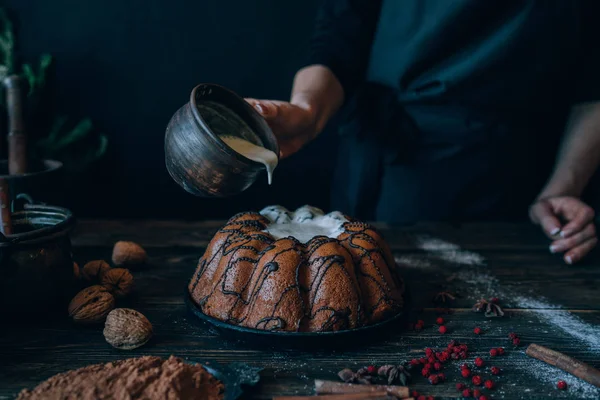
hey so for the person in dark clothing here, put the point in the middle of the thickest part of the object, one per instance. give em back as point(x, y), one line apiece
point(454, 110)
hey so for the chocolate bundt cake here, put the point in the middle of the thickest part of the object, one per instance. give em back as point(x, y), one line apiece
point(299, 271)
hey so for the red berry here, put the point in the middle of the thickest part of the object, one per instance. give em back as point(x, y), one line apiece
point(495, 370)
point(421, 322)
point(423, 360)
point(431, 359)
point(452, 344)
point(464, 366)
point(495, 300)
point(443, 329)
point(437, 366)
point(500, 350)
point(466, 393)
point(442, 377)
point(477, 331)
point(425, 372)
point(489, 384)
point(479, 362)
point(562, 385)
point(428, 352)
point(476, 380)
point(516, 341)
point(456, 349)
point(421, 397)
point(439, 321)
point(428, 366)
point(465, 373)
point(446, 354)
point(414, 361)
point(476, 392)
point(464, 347)
point(460, 386)
point(463, 355)
point(483, 397)
point(371, 369)
point(493, 352)
point(414, 394)
point(512, 335)
point(434, 380)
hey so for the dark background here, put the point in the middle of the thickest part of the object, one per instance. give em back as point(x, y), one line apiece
point(130, 64)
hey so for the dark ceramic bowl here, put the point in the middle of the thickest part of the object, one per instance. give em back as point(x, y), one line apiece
point(36, 264)
point(43, 184)
point(197, 159)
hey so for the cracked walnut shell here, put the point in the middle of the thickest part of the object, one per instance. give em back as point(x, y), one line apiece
point(91, 305)
point(93, 270)
point(128, 254)
point(118, 281)
point(127, 329)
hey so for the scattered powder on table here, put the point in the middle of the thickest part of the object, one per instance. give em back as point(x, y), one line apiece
point(134, 378)
point(449, 251)
point(487, 285)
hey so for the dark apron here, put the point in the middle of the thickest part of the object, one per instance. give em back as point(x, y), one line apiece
point(467, 154)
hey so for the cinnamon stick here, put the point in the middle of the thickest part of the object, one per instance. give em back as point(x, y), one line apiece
point(348, 396)
point(322, 387)
point(568, 364)
point(5, 217)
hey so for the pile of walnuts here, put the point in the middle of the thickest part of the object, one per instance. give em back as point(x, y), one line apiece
point(124, 328)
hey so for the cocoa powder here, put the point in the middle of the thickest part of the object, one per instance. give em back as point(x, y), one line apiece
point(134, 378)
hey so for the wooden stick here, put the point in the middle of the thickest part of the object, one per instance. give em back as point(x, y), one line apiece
point(322, 387)
point(344, 396)
point(5, 220)
point(17, 137)
point(568, 364)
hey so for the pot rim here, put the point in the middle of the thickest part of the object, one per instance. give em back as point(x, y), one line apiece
point(271, 144)
point(49, 166)
point(44, 233)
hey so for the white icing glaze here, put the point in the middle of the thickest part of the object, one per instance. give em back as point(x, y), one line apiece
point(303, 224)
point(254, 153)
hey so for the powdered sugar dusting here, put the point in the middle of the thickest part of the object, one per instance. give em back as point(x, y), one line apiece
point(550, 375)
point(449, 251)
point(564, 320)
point(483, 284)
point(414, 261)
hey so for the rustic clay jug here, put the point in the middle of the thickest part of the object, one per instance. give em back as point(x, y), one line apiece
point(198, 160)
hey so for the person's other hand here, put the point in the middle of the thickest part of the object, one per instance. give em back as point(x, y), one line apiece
point(569, 223)
point(294, 125)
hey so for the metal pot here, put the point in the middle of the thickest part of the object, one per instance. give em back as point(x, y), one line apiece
point(36, 263)
point(197, 159)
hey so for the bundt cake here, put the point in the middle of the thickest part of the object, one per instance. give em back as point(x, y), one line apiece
point(300, 271)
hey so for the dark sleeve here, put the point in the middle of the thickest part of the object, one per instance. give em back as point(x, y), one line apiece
point(588, 68)
point(342, 38)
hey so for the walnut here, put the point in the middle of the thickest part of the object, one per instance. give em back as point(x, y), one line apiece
point(118, 281)
point(127, 329)
point(91, 305)
point(128, 254)
point(76, 272)
point(93, 270)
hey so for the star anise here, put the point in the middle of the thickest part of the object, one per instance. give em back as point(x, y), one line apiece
point(444, 296)
point(360, 376)
point(394, 373)
point(489, 308)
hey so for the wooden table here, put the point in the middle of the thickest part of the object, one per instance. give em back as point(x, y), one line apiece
point(547, 302)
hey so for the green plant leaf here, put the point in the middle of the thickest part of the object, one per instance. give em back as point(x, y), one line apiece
point(80, 131)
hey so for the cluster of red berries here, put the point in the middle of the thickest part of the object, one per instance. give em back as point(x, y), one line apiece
point(415, 395)
point(466, 392)
point(562, 385)
point(497, 352)
point(516, 340)
point(419, 325)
